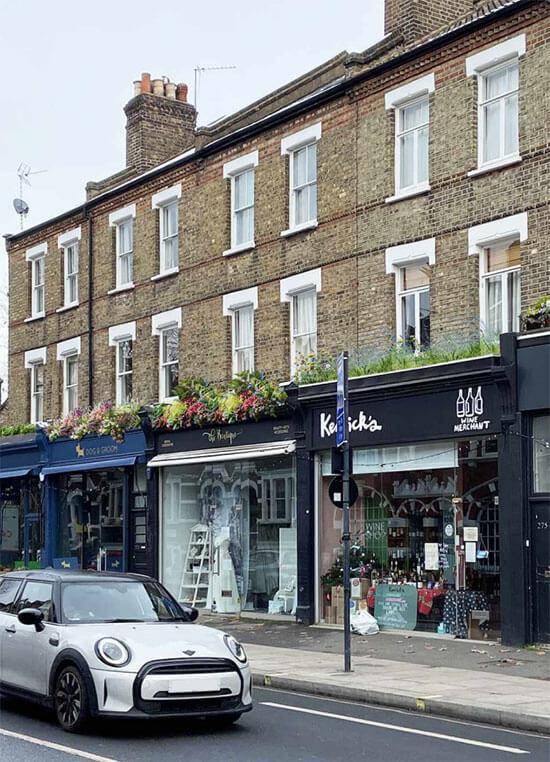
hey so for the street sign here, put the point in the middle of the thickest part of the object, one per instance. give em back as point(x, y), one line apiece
point(336, 491)
point(341, 394)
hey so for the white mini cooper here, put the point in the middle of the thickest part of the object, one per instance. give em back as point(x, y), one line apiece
point(92, 643)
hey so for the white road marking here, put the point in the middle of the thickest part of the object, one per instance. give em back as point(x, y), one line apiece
point(401, 729)
point(56, 746)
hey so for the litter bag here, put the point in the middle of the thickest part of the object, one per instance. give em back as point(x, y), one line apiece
point(363, 623)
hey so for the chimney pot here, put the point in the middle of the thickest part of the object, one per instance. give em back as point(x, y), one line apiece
point(181, 92)
point(137, 86)
point(145, 82)
point(170, 90)
point(158, 87)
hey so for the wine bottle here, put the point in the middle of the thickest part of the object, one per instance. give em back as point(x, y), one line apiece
point(469, 402)
point(460, 405)
point(478, 402)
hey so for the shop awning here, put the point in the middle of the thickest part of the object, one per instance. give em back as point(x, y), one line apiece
point(218, 454)
point(90, 465)
point(13, 473)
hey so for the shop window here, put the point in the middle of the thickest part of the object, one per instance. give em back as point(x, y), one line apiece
point(276, 499)
point(124, 371)
point(303, 325)
point(500, 265)
point(243, 338)
point(70, 383)
point(169, 361)
point(541, 453)
point(37, 392)
point(414, 305)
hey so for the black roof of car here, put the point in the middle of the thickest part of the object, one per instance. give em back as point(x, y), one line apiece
point(73, 575)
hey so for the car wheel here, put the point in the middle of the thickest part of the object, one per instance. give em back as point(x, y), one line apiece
point(71, 699)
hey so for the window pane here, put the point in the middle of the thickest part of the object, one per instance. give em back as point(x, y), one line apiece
point(125, 356)
point(496, 83)
point(126, 389)
point(170, 220)
point(171, 253)
point(541, 453)
point(244, 360)
point(244, 326)
point(171, 379)
point(244, 189)
point(312, 163)
point(406, 171)
point(306, 345)
point(491, 115)
point(38, 378)
point(125, 237)
point(414, 115)
point(300, 167)
point(514, 300)
point(503, 255)
point(39, 299)
point(415, 276)
point(126, 263)
point(493, 296)
point(408, 320)
point(72, 295)
point(72, 368)
point(244, 226)
point(170, 345)
point(422, 155)
point(72, 260)
point(39, 271)
point(305, 317)
point(72, 401)
point(301, 209)
point(511, 144)
point(37, 595)
point(424, 298)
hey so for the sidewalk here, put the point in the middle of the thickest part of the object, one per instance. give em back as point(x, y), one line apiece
point(467, 680)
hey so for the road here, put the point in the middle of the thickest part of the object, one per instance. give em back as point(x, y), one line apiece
point(283, 726)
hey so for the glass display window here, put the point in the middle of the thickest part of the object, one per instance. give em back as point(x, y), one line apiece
point(21, 525)
point(228, 535)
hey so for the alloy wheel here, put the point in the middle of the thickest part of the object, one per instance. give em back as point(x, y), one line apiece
point(68, 699)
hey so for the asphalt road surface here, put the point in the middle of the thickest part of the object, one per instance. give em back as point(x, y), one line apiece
point(283, 726)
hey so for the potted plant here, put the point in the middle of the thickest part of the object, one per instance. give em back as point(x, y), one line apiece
point(537, 316)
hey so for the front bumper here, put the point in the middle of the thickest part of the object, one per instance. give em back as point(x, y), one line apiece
point(175, 688)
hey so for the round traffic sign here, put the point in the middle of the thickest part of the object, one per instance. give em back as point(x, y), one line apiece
point(335, 491)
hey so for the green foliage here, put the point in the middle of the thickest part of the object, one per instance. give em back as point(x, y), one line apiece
point(21, 428)
point(103, 419)
point(249, 396)
point(313, 370)
point(537, 316)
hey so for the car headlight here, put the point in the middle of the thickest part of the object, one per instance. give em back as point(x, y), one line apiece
point(112, 652)
point(235, 647)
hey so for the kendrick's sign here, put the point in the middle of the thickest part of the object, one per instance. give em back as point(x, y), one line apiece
point(442, 414)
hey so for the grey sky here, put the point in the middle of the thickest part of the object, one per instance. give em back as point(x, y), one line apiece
point(68, 68)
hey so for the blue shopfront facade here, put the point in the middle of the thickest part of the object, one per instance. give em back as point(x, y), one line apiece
point(97, 498)
point(21, 500)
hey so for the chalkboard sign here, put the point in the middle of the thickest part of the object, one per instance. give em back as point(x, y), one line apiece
point(395, 606)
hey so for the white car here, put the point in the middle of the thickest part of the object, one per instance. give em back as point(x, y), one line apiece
point(101, 644)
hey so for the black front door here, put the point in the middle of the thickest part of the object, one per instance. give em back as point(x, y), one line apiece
point(138, 535)
point(541, 534)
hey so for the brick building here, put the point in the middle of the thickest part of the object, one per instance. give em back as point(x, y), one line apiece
point(398, 193)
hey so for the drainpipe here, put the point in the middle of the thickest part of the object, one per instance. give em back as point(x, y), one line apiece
point(90, 296)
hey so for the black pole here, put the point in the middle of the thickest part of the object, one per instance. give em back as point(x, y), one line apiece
point(346, 534)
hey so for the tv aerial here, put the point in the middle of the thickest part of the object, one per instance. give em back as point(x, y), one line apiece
point(202, 70)
point(19, 204)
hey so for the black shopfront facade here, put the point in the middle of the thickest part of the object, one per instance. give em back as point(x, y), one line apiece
point(432, 448)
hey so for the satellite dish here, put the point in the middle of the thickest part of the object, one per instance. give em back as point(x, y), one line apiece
point(20, 206)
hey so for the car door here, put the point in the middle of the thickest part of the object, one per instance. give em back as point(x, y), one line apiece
point(8, 592)
point(24, 650)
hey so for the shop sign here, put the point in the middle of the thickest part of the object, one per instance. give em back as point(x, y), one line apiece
point(223, 436)
point(395, 606)
point(93, 447)
point(392, 420)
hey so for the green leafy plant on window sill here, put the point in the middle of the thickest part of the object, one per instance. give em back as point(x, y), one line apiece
point(247, 397)
point(537, 316)
point(22, 428)
point(315, 369)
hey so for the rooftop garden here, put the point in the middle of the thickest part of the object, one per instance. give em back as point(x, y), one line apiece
point(247, 397)
point(399, 356)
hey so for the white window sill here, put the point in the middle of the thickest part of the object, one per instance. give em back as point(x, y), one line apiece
point(508, 161)
point(119, 289)
point(311, 225)
point(67, 307)
point(418, 190)
point(166, 273)
point(168, 400)
point(35, 317)
point(237, 249)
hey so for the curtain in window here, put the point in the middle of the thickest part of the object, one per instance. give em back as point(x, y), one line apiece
point(244, 207)
point(244, 339)
point(305, 322)
point(493, 295)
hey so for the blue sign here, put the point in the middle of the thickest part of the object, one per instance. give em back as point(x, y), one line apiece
point(341, 428)
point(69, 562)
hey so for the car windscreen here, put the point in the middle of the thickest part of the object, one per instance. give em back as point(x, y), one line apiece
point(118, 601)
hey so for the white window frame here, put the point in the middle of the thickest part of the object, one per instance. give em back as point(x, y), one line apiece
point(33, 359)
point(480, 65)
point(482, 237)
point(398, 99)
point(232, 304)
point(160, 323)
point(399, 257)
point(67, 351)
point(289, 145)
point(65, 242)
point(231, 170)
point(116, 219)
point(36, 256)
point(289, 288)
point(401, 294)
point(117, 335)
point(160, 201)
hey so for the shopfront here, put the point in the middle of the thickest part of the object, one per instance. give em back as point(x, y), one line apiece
point(21, 514)
point(228, 517)
point(425, 527)
point(98, 498)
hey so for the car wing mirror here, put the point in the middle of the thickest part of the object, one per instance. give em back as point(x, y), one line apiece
point(192, 612)
point(32, 617)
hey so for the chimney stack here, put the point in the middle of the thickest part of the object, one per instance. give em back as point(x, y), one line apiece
point(159, 122)
point(415, 19)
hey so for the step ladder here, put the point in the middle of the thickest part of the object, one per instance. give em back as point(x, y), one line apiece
point(195, 577)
